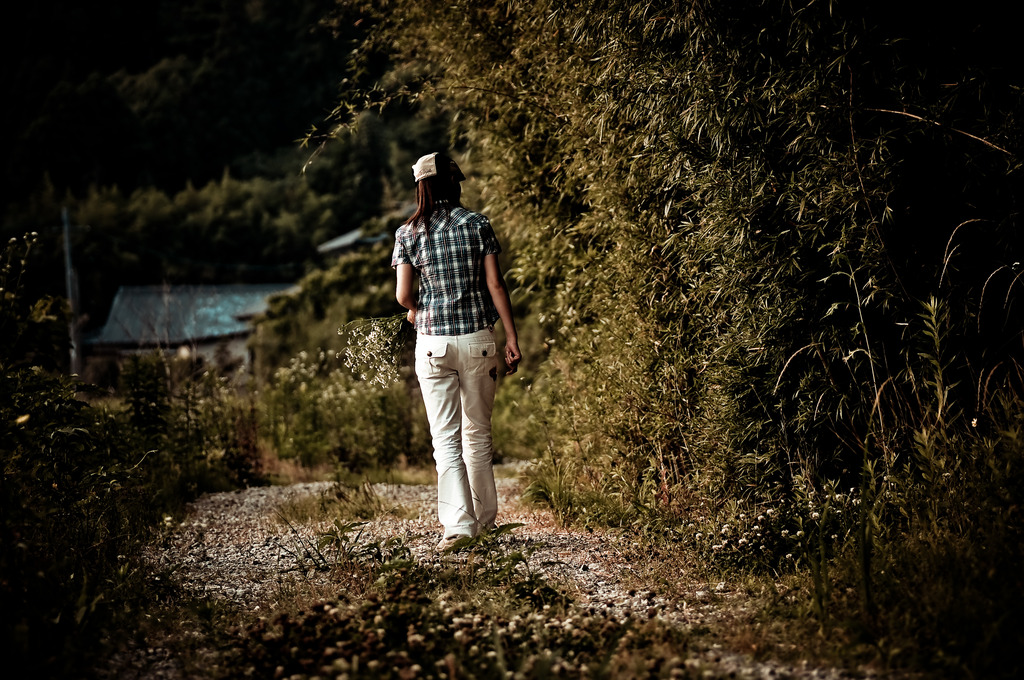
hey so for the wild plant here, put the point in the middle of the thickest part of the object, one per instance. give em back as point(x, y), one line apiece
point(728, 239)
point(357, 286)
point(316, 411)
point(145, 382)
point(902, 548)
point(490, 561)
point(554, 485)
point(215, 420)
point(359, 502)
point(343, 545)
point(32, 330)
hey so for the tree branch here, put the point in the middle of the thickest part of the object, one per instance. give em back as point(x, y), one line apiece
point(938, 124)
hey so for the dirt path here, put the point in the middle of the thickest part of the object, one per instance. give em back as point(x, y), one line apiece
point(232, 547)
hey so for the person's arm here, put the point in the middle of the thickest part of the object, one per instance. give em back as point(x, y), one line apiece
point(502, 302)
point(404, 292)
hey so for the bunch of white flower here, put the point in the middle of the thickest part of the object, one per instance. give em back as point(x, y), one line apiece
point(375, 347)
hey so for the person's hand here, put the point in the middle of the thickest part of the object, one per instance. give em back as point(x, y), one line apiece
point(411, 316)
point(512, 356)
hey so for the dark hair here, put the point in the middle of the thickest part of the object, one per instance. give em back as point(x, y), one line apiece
point(441, 190)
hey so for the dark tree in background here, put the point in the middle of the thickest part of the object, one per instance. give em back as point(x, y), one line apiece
point(139, 94)
point(171, 131)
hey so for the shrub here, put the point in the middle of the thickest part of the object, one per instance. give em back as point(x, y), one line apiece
point(316, 411)
point(83, 485)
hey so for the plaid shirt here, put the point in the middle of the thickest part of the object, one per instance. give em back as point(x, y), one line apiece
point(449, 259)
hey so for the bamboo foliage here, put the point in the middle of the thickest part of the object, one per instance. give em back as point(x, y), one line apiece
point(724, 214)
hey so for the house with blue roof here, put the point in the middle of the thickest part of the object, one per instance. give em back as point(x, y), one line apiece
point(204, 323)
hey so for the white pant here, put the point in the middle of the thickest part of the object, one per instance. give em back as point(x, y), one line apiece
point(457, 376)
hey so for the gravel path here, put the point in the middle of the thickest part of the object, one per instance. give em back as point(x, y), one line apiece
point(233, 547)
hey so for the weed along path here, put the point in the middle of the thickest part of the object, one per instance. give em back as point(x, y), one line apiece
point(246, 569)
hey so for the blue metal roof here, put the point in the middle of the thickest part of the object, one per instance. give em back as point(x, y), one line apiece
point(173, 315)
point(348, 240)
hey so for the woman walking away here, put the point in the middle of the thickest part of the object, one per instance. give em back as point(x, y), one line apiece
point(454, 254)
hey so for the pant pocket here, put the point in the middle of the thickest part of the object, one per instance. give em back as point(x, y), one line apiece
point(430, 355)
point(482, 350)
point(482, 356)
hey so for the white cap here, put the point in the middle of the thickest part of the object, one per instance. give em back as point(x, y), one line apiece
point(426, 166)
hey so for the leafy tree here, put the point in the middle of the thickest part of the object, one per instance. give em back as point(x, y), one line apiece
point(129, 95)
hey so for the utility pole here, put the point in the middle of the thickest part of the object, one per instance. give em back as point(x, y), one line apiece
point(72, 290)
